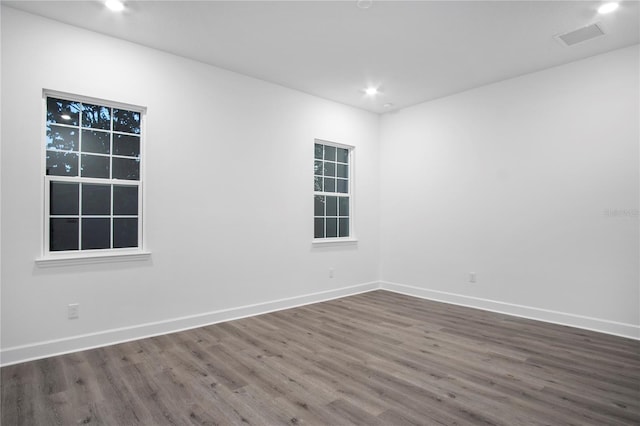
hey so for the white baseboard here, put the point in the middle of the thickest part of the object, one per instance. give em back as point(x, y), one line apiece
point(594, 324)
point(18, 354)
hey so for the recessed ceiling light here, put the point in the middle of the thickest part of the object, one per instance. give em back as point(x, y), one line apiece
point(371, 91)
point(607, 8)
point(65, 117)
point(364, 4)
point(115, 5)
point(388, 105)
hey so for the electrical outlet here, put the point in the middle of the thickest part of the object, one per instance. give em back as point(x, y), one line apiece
point(472, 277)
point(73, 311)
point(330, 272)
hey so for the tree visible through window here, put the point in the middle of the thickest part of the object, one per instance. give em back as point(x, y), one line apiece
point(92, 178)
point(332, 191)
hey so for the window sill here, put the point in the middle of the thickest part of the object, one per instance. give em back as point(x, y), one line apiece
point(70, 260)
point(329, 242)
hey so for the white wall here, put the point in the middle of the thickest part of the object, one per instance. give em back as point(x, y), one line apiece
point(513, 181)
point(228, 189)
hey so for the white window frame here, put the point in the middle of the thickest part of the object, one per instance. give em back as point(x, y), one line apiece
point(350, 193)
point(55, 258)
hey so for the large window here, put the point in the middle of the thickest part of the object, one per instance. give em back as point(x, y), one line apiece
point(332, 191)
point(93, 187)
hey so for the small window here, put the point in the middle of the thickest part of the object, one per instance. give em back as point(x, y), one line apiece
point(332, 195)
point(92, 177)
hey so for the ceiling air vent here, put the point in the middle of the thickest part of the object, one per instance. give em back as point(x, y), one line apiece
point(580, 35)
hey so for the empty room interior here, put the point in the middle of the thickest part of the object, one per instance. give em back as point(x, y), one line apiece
point(320, 212)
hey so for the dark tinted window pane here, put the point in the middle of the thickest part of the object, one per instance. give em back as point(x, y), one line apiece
point(343, 206)
point(61, 111)
point(126, 121)
point(96, 199)
point(318, 228)
point(96, 116)
point(329, 169)
point(63, 234)
point(318, 151)
point(62, 138)
point(96, 233)
point(124, 168)
point(126, 145)
point(343, 227)
point(343, 186)
point(318, 205)
point(125, 200)
point(93, 141)
point(317, 168)
point(329, 153)
point(343, 170)
point(329, 185)
point(63, 198)
point(317, 183)
point(332, 227)
point(332, 206)
point(95, 166)
point(62, 163)
point(343, 155)
point(125, 232)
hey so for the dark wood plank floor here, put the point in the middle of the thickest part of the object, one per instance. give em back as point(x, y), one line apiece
point(377, 358)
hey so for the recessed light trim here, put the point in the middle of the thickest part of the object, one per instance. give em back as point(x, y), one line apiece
point(114, 5)
point(607, 8)
point(371, 91)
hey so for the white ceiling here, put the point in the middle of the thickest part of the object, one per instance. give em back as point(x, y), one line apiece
point(413, 51)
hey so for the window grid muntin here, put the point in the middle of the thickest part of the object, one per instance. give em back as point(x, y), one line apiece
point(320, 191)
point(81, 180)
point(80, 216)
point(79, 152)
